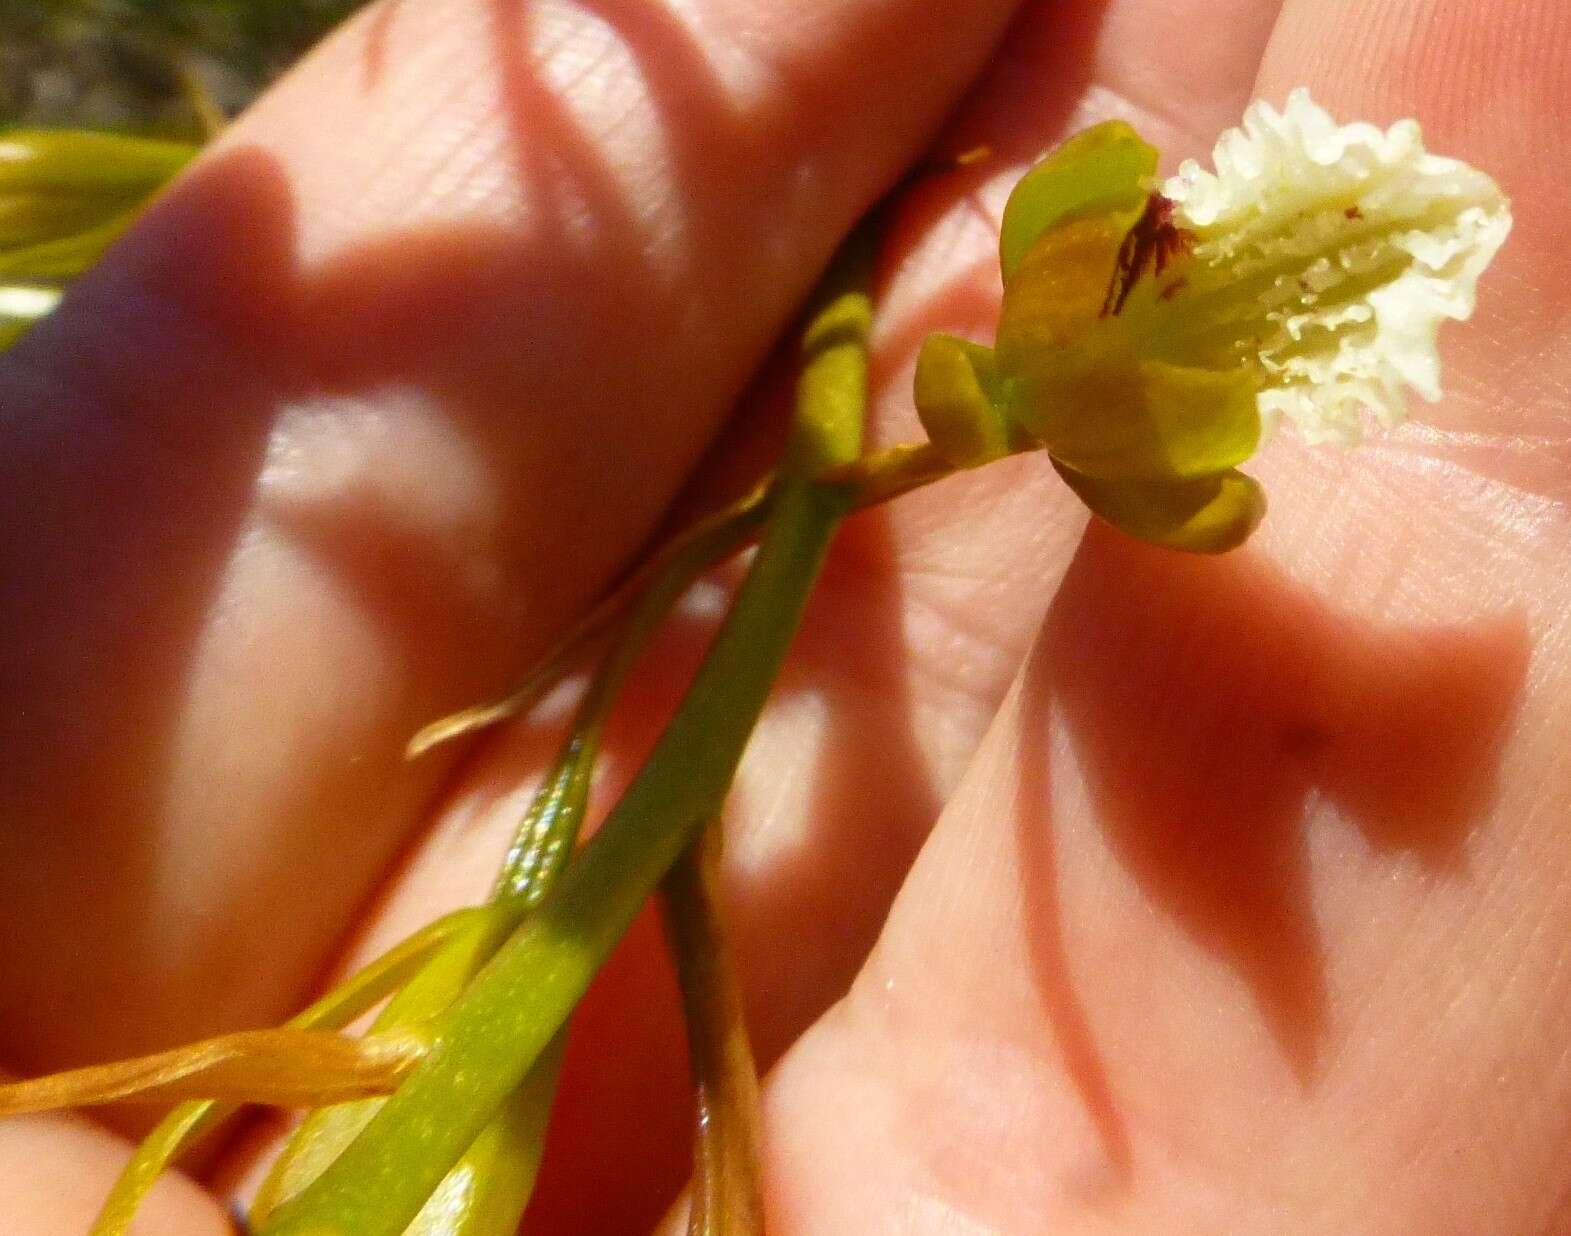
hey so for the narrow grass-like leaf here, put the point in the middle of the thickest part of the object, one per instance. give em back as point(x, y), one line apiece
point(669, 572)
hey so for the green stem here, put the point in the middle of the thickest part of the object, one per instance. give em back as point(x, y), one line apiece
point(546, 838)
point(488, 1040)
point(487, 1193)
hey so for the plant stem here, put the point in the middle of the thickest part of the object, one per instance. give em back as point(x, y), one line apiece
point(727, 1197)
point(488, 1040)
point(875, 479)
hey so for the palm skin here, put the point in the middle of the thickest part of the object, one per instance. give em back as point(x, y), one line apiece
point(1244, 903)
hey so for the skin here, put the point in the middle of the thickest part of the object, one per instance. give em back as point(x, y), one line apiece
point(1075, 886)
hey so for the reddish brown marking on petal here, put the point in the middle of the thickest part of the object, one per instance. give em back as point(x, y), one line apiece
point(1154, 241)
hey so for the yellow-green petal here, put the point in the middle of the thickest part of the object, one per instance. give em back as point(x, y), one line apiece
point(1209, 515)
point(955, 391)
point(1107, 414)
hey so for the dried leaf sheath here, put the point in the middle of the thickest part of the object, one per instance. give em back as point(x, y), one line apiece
point(280, 1068)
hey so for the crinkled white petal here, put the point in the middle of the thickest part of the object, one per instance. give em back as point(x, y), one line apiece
point(1352, 244)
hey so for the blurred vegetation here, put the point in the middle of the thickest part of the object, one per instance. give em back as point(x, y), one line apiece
point(146, 65)
point(102, 102)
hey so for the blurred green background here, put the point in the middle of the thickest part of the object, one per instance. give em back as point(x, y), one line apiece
point(130, 64)
point(102, 102)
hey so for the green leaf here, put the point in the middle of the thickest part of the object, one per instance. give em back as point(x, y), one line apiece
point(1105, 170)
point(81, 162)
point(64, 198)
point(60, 259)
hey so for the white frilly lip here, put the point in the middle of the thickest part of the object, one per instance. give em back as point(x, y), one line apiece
point(1352, 244)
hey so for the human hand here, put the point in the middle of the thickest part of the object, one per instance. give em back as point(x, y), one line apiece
point(1257, 853)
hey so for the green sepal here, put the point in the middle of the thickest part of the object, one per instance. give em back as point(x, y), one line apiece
point(1105, 170)
point(1207, 515)
point(1057, 293)
point(959, 401)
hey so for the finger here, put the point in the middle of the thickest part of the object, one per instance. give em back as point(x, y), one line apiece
point(1248, 916)
point(1142, 974)
point(57, 1171)
point(910, 642)
point(376, 398)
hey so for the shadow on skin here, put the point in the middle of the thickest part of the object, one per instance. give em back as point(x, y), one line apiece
point(1081, 1059)
point(1211, 702)
point(481, 324)
point(631, 1013)
point(175, 447)
point(865, 816)
point(107, 598)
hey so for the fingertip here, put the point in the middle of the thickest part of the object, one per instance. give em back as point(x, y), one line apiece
point(58, 1170)
point(1488, 82)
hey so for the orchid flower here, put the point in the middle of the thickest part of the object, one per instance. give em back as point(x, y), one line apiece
point(1150, 336)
